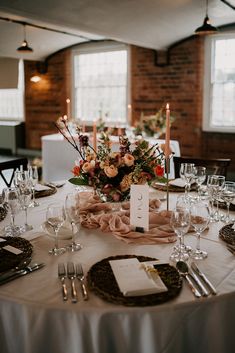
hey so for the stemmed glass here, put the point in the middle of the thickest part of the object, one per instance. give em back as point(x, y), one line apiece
point(55, 217)
point(180, 222)
point(11, 197)
point(25, 196)
point(187, 173)
point(199, 177)
point(72, 213)
point(215, 184)
point(23, 179)
point(200, 217)
point(33, 176)
point(183, 203)
point(228, 195)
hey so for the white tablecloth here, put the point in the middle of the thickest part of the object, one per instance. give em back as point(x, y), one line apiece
point(58, 156)
point(34, 319)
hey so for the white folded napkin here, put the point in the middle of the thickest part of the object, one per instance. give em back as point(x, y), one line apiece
point(177, 182)
point(40, 187)
point(134, 280)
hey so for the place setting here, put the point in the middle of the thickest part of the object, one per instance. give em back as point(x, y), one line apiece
point(70, 273)
point(16, 259)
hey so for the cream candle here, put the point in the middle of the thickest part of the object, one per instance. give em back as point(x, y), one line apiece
point(129, 114)
point(94, 136)
point(83, 127)
point(68, 108)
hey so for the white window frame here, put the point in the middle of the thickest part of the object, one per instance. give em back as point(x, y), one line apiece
point(209, 54)
point(96, 47)
point(21, 87)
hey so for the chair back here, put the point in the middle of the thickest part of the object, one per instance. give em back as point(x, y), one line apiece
point(11, 166)
point(217, 166)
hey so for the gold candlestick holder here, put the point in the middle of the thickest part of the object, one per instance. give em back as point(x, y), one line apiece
point(167, 168)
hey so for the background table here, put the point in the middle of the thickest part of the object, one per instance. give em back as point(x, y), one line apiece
point(34, 319)
point(58, 156)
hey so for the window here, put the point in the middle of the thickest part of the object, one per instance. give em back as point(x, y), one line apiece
point(219, 84)
point(12, 100)
point(101, 83)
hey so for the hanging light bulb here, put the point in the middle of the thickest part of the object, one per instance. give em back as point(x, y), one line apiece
point(206, 28)
point(24, 46)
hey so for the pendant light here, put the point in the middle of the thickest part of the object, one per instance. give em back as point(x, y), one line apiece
point(206, 28)
point(24, 46)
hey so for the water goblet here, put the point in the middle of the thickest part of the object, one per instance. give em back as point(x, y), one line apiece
point(187, 173)
point(23, 179)
point(228, 195)
point(55, 217)
point(72, 213)
point(33, 176)
point(200, 218)
point(25, 196)
point(11, 197)
point(215, 185)
point(180, 222)
point(16, 178)
point(183, 203)
point(199, 177)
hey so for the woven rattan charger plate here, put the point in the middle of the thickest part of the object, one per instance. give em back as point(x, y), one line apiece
point(102, 282)
point(3, 212)
point(172, 188)
point(227, 234)
point(8, 260)
point(224, 206)
point(50, 191)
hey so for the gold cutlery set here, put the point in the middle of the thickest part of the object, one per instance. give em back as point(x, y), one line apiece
point(197, 280)
point(72, 273)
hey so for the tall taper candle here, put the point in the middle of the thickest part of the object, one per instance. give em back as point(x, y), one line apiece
point(167, 141)
point(68, 108)
point(95, 136)
point(129, 114)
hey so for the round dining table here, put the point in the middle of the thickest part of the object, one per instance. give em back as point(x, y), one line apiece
point(35, 319)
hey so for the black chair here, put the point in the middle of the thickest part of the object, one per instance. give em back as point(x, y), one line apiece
point(213, 166)
point(11, 166)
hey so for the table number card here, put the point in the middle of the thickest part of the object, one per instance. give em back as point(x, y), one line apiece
point(139, 207)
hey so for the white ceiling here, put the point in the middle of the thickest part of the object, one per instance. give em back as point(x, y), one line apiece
point(148, 23)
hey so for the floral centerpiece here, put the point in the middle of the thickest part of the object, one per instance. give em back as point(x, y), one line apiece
point(112, 173)
point(153, 125)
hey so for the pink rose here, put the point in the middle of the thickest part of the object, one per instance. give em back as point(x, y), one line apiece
point(86, 167)
point(111, 171)
point(128, 159)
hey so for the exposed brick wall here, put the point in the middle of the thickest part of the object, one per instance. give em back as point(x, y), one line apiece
point(180, 83)
point(46, 100)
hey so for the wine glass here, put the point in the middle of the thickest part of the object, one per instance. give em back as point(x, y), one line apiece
point(11, 197)
point(25, 197)
point(33, 176)
point(72, 213)
point(228, 195)
point(23, 179)
point(215, 184)
point(180, 222)
point(200, 217)
point(55, 217)
point(187, 173)
point(16, 178)
point(183, 203)
point(199, 177)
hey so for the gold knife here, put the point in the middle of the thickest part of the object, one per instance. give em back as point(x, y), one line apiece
point(205, 279)
point(7, 277)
